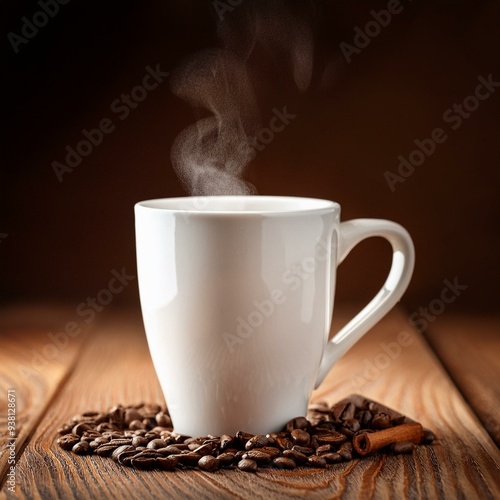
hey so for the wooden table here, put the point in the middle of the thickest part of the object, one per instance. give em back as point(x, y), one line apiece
point(449, 380)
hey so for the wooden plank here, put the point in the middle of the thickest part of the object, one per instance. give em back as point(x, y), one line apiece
point(32, 368)
point(115, 367)
point(469, 347)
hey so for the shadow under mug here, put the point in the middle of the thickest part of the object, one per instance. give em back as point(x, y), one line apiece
point(237, 297)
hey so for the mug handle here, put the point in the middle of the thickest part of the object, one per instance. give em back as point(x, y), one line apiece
point(403, 260)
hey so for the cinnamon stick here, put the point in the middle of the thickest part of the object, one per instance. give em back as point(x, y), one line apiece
point(367, 443)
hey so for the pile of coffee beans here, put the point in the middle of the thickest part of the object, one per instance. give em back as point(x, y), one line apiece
point(142, 436)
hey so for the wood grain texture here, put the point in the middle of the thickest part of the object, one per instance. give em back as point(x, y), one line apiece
point(26, 368)
point(469, 347)
point(115, 367)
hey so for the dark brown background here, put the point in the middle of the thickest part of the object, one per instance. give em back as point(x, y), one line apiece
point(65, 238)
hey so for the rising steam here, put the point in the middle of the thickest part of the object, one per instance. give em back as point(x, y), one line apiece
point(210, 156)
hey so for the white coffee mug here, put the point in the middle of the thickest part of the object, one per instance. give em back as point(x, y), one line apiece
point(237, 298)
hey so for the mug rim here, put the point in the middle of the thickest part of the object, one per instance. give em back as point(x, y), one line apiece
point(197, 205)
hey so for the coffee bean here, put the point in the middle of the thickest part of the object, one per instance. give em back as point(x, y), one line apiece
point(126, 460)
point(381, 421)
point(105, 426)
point(315, 461)
point(167, 463)
point(105, 450)
point(297, 423)
point(172, 450)
point(261, 457)
point(296, 456)
point(79, 429)
point(179, 438)
point(82, 448)
point(338, 409)
point(325, 427)
point(121, 449)
point(404, 447)
point(314, 442)
point(247, 465)
point(197, 441)
point(428, 436)
point(120, 441)
point(333, 437)
point(144, 463)
point(303, 449)
point(284, 463)
point(190, 459)
point(348, 412)
point(149, 423)
point(65, 429)
point(137, 424)
point(131, 414)
point(90, 414)
point(148, 454)
point(67, 441)
point(271, 439)
point(271, 451)
point(126, 456)
point(300, 437)
point(156, 443)
point(243, 437)
point(139, 441)
point(89, 436)
point(117, 415)
point(258, 441)
point(204, 449)
point(99, 440)
point(345, 451)
point(399, 420)
point(226, 459)
point(325, 448)
point(284, 443)
point(209, 463)
point(163, 419)
point(181, 446)
point(226, 442)
point(352, 424)
point(365, 418)
point(347, 432)
point(332, 458)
